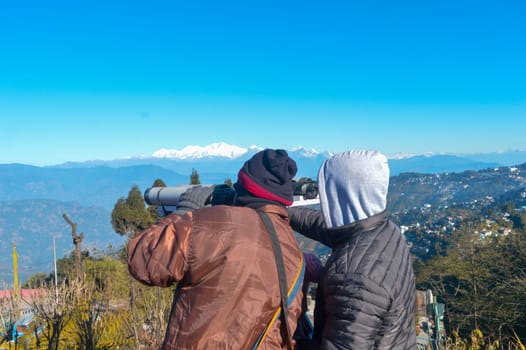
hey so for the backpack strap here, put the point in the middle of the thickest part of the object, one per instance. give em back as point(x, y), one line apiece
point(286, 296)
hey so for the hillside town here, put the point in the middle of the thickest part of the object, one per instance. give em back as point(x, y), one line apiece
point(445, 203)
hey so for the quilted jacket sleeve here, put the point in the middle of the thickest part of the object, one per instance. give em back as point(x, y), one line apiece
point(159, 255)
point(308, 222)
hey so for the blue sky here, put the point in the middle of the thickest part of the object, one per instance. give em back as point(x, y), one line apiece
point(84, 80)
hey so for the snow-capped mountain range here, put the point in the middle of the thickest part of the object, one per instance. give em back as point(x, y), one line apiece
point(218, 149)
point(216, 158)
point(222, 150)
point(224, 158)
point(227, 151)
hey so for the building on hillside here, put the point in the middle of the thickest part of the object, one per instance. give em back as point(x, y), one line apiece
point(24, 313)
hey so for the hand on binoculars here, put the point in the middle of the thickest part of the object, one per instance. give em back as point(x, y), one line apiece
point(194, 198)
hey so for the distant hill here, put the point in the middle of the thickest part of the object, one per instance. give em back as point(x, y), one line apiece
point(309, 162)
point(416, 190)
point(101, 183)
point(437, 164)
point(31, 223)
point(502, 158)
point(100, 186)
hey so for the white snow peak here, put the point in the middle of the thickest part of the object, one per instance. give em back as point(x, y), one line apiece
point(305, 152)
point(218, 149)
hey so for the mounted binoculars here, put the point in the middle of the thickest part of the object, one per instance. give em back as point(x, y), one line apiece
point(167, 198)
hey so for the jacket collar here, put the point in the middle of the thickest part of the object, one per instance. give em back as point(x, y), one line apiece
point(342, 234)
point(274, 209)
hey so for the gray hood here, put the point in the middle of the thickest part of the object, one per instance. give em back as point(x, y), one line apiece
point(353, 186)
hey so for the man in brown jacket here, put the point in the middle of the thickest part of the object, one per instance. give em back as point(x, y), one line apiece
point(222, 258)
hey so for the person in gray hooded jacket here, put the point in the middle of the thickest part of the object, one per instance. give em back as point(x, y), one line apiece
point(366, 297)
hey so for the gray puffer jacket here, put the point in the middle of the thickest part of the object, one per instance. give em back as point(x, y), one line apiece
point(366, 298)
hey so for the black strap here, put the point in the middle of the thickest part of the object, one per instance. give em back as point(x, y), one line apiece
point(282, 277)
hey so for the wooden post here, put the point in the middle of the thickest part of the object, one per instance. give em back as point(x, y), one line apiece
point(77, 240)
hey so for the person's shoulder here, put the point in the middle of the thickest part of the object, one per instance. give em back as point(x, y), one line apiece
point(221, 208)
point(392, 229)
point(220, 213)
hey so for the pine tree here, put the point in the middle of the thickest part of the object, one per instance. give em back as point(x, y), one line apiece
point(130, 216)
point(194, 178)
point(153, 209)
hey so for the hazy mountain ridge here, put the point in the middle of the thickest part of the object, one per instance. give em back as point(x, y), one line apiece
point(99, 186)
point(104, 183)
point(308, 160)
point(439, 164)
point(500, 184)
point(31, 224)
point(221, 164)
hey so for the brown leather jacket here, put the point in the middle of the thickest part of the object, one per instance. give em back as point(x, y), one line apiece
point(228, 287)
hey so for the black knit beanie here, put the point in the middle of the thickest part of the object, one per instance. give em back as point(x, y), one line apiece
point(268, 175)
